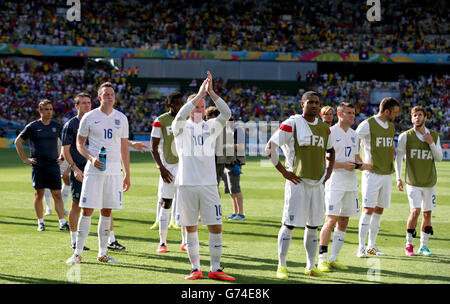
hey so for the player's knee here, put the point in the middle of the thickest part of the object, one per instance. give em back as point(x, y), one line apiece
point(105, 212)
point(415, 212)
point(378, 210)
point(331, 222)
point(87, 211)
point(342, 223)
point(39, 193)
point(426, 214)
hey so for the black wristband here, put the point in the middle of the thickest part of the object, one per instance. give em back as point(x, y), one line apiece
point(357, 166)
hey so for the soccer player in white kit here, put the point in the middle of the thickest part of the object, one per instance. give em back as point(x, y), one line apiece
point(197, 191)
point(341, 190)
point(377, 136)
point(105, 127)
point(422, 149)
point(164, 153)
point(305, 141)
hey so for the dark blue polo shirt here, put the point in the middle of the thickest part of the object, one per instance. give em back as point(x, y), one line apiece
point(43, 142)
point(69, 137)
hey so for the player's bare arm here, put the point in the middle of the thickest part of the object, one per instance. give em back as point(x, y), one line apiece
point(140, 146)
point(271, 151)
point(76, 171)
point(330, 163)
point(125, 154)
point(81, 147)
point(165, 174)
point(19, 147)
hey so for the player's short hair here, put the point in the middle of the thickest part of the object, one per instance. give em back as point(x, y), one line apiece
point(43, 103)
point(326, 109)
point(174, 96)
point(79, 96)
point(105, 85)
point(419, 109)
point(212, 111)
point(388, 103)
point(344, 105)
point(308, 95)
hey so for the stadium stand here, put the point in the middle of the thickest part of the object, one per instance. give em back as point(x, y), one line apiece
point(409, 26)
point(23, 85)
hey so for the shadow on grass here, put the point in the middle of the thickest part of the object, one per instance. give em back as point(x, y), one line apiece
point(29, 280)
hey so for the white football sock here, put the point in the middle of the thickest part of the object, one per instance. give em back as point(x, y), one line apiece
point(409, 238)
point(215, 250)
point(112, 237)
point(73, 237)
point(364, 222)
point(193, 249)
point(48, 198)
point(172, 213)
point(284, 241)
point(424, 237)
point(62, 221)
point(374, 227)
point(183, 235)
point(163, 225)
point(84, 225)
point(104, 224)
point(310, 242)
point(338, 241)
point(65, 190)
point(158, 209)
point(41, 221)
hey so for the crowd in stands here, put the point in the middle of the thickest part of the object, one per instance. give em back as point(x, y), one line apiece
point(23, 85)
point(411, 26)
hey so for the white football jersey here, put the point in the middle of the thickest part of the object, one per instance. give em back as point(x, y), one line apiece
point(104, 131)
point(346, 146)
point(196, 146)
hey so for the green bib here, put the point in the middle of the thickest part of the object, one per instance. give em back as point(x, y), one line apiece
point(420, 168)
point(166, 127)
point(309, 161)
point(381, 143)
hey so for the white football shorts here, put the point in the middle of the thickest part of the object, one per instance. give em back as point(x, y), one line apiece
point(342, 203)
point(195, 200)
point(376, 190)
point(303, 205)
point(166, 190)
point(421, 197)
point(102, 192)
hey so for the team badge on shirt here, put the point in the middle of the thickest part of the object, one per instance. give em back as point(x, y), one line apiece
point(117, 121)
point(353, 140)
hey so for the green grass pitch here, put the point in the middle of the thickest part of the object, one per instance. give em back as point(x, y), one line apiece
point(250, 247)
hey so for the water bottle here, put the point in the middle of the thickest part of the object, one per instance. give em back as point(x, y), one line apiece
point(102, 157)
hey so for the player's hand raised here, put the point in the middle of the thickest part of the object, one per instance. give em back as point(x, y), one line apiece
point(428, 138)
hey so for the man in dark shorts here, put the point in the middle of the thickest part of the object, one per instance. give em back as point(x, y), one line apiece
point(43, 136)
